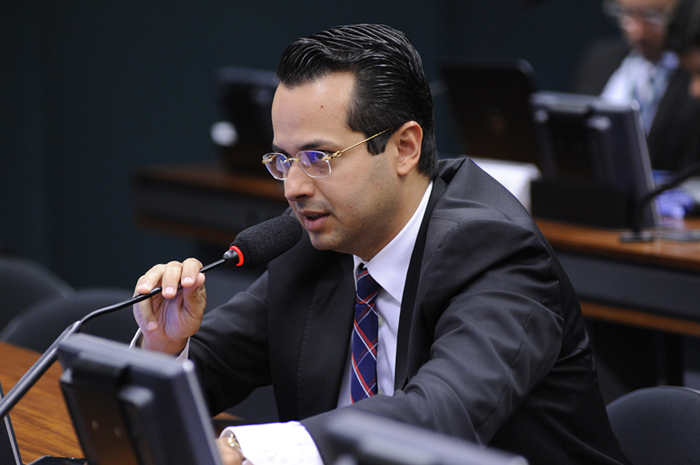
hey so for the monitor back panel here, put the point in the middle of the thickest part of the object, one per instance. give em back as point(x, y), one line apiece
point(491, 109)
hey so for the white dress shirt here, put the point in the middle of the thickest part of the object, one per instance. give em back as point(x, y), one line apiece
point(290, 443)
point(639, 79)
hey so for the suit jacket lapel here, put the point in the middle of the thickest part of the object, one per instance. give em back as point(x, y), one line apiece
point(328, 325)
point(326, 340)
point(408, 300)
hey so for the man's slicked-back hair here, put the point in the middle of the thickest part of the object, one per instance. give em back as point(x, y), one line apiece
point(390, 85)
point(684, 28)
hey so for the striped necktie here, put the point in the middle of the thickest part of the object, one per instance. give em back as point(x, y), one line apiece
point(364, 338)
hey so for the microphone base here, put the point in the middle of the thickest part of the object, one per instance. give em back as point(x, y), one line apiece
point(639, 236)
point(50, 460)
point(679, 235)
point(664, 234)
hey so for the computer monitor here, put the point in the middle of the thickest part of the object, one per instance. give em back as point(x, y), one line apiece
point(359, 438)
point(491, 109)
point(244, 134)
point(596, 161)
point(134, 407)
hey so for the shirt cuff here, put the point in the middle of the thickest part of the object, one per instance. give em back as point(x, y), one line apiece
point(276, 444)
point(136, 342)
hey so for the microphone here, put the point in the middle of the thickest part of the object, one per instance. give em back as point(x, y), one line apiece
point(637, 235)
point(264, 242)
point(252, 248)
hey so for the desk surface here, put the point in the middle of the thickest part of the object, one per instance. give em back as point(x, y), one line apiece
point(194, 178)
point(651, 284)
point(606, 243)
point(204, 200)
point(647, 284)
point(40, 419)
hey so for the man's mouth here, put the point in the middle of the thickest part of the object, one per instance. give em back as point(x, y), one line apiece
point(313, 221)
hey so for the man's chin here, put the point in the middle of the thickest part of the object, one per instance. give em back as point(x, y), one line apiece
point(322, 241)
point(650, 53)
point(319, 243)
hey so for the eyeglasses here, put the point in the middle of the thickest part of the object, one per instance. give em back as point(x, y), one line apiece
point(624, 15)
point(316, 164)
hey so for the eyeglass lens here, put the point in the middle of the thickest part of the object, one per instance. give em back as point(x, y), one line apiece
point(311, 162)
point(626, 15)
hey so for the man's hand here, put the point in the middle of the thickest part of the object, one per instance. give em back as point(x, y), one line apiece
point(229, 455)
point(169, 318)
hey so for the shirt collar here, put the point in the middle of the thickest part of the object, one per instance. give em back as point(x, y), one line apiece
point(669, 61)
point(389, 266)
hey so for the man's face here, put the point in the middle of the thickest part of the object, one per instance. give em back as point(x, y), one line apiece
point(352, 210)
point(648, 37)
point(690, 61)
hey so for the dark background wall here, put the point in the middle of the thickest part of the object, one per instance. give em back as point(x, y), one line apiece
point(90, 90)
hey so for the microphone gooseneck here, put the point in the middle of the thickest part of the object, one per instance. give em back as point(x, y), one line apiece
point(637, 235)
point(252, 248)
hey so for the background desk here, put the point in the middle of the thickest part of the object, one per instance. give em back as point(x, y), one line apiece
point(654, 285)
point(203, 201)
point(640, 300)
point(646, 285)
point(40, 419)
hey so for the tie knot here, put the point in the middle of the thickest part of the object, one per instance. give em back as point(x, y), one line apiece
point(367, 287)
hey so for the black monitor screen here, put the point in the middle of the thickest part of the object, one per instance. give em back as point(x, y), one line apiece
point(359, 438)
point(244, 135)
point(491, 109)
point(598, 145)
point(134, 407)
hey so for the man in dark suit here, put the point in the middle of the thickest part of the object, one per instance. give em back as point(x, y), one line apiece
point(642, 68)
point(477, 331)
point(684, 39)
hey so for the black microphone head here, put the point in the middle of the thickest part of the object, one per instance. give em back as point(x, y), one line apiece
point(266, 241)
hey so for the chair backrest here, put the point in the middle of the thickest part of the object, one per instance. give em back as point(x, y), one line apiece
point(40, 324)
point(658, 425)
point(24, 282)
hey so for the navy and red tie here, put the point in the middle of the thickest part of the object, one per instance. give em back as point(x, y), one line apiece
point(364, 338)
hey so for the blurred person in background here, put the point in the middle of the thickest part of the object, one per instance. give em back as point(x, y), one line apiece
point(684, 39)
point(640, 66)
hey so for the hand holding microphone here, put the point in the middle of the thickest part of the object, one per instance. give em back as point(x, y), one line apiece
point(175, 313)
point(252, 248)
point(167, 319)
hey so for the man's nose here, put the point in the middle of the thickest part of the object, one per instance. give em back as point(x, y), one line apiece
point(297, 184)
point(634, 26)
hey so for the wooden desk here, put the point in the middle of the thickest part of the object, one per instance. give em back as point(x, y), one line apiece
point(653, 285)
point(40, 419)
point(203, 201)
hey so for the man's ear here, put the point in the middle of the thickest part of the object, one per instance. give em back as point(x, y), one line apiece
point(409, 139)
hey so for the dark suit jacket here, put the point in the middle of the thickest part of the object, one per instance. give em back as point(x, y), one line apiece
point(673, 138)
point(491, 345)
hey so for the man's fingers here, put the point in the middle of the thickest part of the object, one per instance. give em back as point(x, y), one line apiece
point(150, 280)
point(190, 272)
point(143, 311)
point(229, 455)
point(171, 279)
point(193, 285)
point(195, 296)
